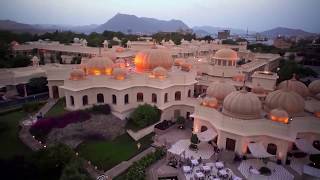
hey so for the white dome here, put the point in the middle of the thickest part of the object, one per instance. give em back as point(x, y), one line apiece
point(147, 60)
point(314, 86)
point(242, 104)
point(294, 85)
point(289, 101)
point(159, 72)
point(226, 54)
point(258, 89)
point(279, 115)
point(210, 102)
point(220, 89)
point(119, 73)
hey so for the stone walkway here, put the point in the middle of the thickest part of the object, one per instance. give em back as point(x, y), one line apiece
point(24, 133)
point(124, 165)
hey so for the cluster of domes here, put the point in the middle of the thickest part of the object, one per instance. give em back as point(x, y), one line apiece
point(77, 74)
point(99, 66)
point(219, 90)
point(159, 73)
point(226, 54)
point(285, 99)
point(294, 85)
point(147, 60)
point(242, 104)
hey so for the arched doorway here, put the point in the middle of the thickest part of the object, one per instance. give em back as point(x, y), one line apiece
point(176, 113)
point(177, 96)
point(230, 144)
point(100, 98)
point(55, 92)
point(272, 148)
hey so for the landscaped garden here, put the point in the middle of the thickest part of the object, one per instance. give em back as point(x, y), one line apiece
point(105, 154)
point(57, 109)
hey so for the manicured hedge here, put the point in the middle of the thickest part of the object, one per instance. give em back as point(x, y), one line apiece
point(137, 170)
point(101, 109)
point(43, 126)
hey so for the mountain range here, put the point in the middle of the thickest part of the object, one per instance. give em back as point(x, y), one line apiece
point(141, 25)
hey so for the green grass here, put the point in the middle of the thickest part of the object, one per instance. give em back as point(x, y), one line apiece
point(106, 154)
point(57, 109)
point(9, 140)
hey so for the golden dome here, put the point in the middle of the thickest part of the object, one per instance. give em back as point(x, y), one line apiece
point(147, 60)
point(289, 101)
point(226, 54)
point(210, 102)
point(242, 104)
point(159, 73)
point(294, 85)
point(220, 89)
point(99, 66)
point(279, 115)
point(77, 74)
point(314, 86)
point(119, 73)
point(179, 61)
point(186, 67)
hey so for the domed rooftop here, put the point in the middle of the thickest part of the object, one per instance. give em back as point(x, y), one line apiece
point(294, 85)
point(287, 100)
point(159, 73)
point(186, 67)
point(210, 102)
point(147, 60)
point(242, 104)
point(119, 73)
point(220, 89)
point(226, 54)
point(258, 89)
point(77, 74)
point(99, 65)
point(314, 87)
point(279, 115)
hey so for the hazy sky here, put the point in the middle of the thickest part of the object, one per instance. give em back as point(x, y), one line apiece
point(257, 15)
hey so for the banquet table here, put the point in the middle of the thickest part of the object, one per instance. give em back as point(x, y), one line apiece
point(206, 168)
point(199, 175)
point(186, 169)
point(223, 172)
point(194, 162)
point(219, 165)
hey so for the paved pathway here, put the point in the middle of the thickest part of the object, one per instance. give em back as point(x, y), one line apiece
point(24, 133)
point(124, 165)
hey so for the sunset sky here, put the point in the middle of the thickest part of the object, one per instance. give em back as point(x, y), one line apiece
point(257, 15)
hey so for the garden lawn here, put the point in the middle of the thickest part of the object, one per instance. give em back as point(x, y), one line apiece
point(9, 140)
point(57, 109)
point(107, 154)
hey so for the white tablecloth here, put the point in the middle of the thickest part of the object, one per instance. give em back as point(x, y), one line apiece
point(236, 178)
point(254, 171)
point(206, 168)
point(199, 175)
point(223, 172)
point(194, 162)
point(186, 169)
point(219, 165)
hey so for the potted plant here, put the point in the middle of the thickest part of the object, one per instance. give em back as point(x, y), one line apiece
point(181, 122)
point(194, 141)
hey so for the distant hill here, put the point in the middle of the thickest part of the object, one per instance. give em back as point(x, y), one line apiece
point(133, 24)
point(272, 33)
point(214, 30)
point(20, 27)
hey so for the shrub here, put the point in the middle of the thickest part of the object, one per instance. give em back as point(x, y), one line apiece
point(101, 109)
point(265, 171)
point(194, 139)
point(43, 127)
point(145, 115)
point(164, 125)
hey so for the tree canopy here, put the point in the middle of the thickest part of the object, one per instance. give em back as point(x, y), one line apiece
point(145, 115)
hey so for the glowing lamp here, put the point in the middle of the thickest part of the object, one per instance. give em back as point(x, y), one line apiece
point(108, 71)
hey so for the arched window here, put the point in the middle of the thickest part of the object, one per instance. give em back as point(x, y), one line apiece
point(203, 128)
point(166, 97)
point(272, 149)
point(85, 100)
point(114, 99)
point(177, 96)
point(71, 100)
point(100, 98)
point(126, 99)
point(140, 97)
point(154, 98)
point(189, 93)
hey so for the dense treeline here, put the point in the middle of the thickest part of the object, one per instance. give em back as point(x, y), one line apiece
point(176, 37)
